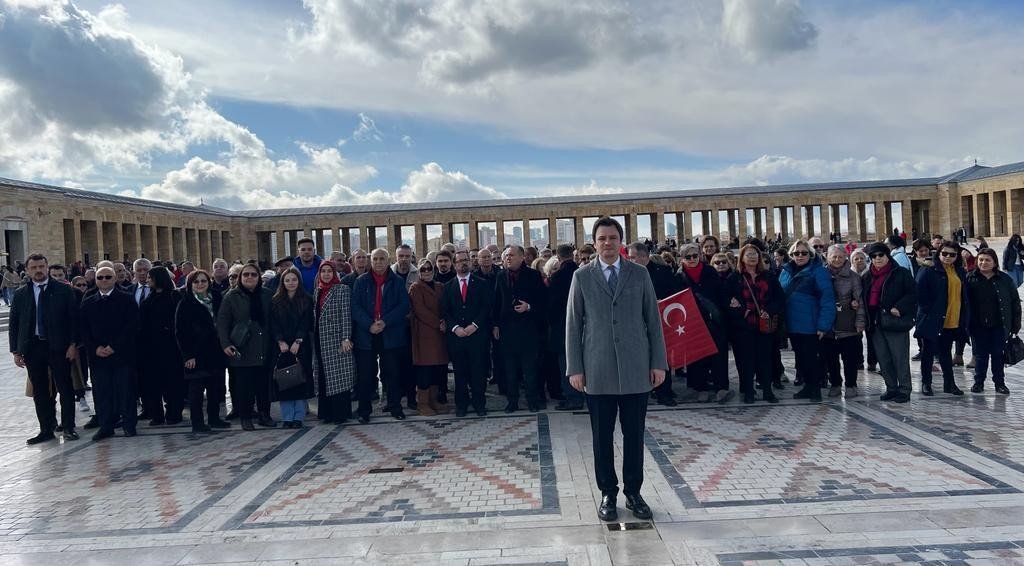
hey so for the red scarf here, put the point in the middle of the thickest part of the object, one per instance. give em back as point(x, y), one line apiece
point(378, 302)
point(694, 273)
point(878, 277)
point(325, 288)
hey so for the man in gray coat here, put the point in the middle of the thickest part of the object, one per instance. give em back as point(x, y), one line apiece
point(615, 353)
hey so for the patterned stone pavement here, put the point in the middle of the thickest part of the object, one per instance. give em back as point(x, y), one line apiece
point(850, 481)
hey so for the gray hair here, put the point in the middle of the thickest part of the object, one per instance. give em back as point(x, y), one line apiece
point(143, 262)
point(550, 264)
point(836, 248)
point(691, 247)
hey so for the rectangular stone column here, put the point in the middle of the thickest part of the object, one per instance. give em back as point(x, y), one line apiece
point(907, 209)
point(318, 241)
point(716, 229)
point(446, 232)
point(191, 245)
point(216, 251)
point(853, 221)
point(526, 232)
point(581, 238)
point(631, 228)
point(769, 222)
point(798, 223)
point(474, 237)
point(658, 227)
point(743, 229)
point(205, 260)
point(684, 227)
point(280, 244)
point(1012, 210)
point(881, 231)
point(72, 240)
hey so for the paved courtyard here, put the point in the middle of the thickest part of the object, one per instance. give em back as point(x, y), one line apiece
point(935, 481)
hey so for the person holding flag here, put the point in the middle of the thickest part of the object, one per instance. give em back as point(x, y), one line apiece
point(615, 353)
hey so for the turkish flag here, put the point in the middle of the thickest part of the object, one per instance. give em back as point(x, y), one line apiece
point(687, 338)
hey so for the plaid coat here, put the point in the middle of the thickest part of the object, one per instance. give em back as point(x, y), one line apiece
point(332, 325)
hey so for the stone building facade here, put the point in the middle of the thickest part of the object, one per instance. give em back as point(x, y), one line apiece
point(70, 224)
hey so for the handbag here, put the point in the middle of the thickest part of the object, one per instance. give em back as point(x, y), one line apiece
point(289, 376)
point(240, 334)
point(765, 325)
point(1013, 351)
point(890, 323)
point(846, 318)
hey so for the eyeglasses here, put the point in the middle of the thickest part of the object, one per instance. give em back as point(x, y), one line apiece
point(800, 253)
point(81, 285)
point(104, 277)
point(877, 255)
point(691, 256)
point(426, 270)
point(250, 274)
point(948, 254)
point(720, 262)
point(817, 247)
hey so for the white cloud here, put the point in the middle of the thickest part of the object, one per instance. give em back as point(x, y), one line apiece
point(407, 141)
point(766, 28)
point(367, 130)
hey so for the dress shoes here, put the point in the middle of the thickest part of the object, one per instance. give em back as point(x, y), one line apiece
point(566, 406)
point(607, 510)
point(511, 407)
point(1001, 389)
point(812, 394)
point(459, 412)
point(901, 398)
point(130, 433)
point(156, 422)
point(481, 412)
point(926, 390)
point(102, 434)
point(770, 397)
point(247, 424)
point(952, 390)
point(889, 395)
point(638, 506)
point(175, 421)
point(364, 419)
point(978, 387)
point(264, 420)
point(70, 434)
point(219, 424)
point(286, 424)
point(93, 422)
point(749, 397)
point(201, 429)
point(41, 437)
point(398, 414)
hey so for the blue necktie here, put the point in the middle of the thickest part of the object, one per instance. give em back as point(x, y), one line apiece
point(613, 279)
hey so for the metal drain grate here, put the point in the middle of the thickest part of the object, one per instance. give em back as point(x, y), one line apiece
point(385, 470)
point(635, 526)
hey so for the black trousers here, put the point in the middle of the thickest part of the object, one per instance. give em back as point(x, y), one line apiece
point(849, 351)
point(427, 376)
point(632, 414)
point(164, 381)
point(214, 388)
point(940, 347)
point(469, 360)
point(42, 364)
point(872, 358)
point(389, 363)
point(250, 383)
point(755, 358)
point(521, 363)
point(807, 350)
point(113, 393)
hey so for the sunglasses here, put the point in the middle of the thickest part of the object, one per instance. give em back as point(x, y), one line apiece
point(250, 274)
point(877, 255)
point(721, 262)
point(948, 254)
point(235, 276)
point(691, 256)
point(81, 285)
point(819, 247)
point(426, 270)
point(104, 277)
point(800, 253)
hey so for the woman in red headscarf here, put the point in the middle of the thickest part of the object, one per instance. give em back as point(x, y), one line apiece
point(333, 363)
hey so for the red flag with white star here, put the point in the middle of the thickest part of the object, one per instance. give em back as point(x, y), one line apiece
point(687, 338)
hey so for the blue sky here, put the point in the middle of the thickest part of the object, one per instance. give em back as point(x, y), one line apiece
point(266, 104)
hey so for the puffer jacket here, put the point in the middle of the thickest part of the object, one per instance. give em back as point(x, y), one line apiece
point(932, 299)
point(810, 300)
point(847, 286)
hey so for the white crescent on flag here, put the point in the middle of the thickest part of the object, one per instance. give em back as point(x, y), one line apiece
point(669, 309)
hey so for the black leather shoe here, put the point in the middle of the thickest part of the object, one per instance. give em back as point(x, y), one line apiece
point(511, 407)
point(568, 407)
point(812, 394)
point(889, 395)
point(201, 429)
point(952, 389)
point(265, 421)
point(364, 420)
point(481, 412)
point(1001, 388)
point(130, 433)
point(901, 398)
point(926, 390)
point(978, 387)
point(70, 435)
point(156, 422)
point(770, 397)
point(41, 437)
point(668, 401)
point(92, 423)
point(247, 424)
point(607, 511)
point(219, 424)
point(399, 415)
point(174, 421)
point(459, 412)
point(638, 506)
point(749, 397)
point(102, 434)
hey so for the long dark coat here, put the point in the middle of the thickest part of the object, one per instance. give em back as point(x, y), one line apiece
point(331, 325)
point(196, 332)
point(290, 323)
point(428, 341)
point(157, 341)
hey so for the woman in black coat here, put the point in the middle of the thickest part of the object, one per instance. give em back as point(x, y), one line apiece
point(995, 317)
point(709, 376)
point(291, 321)
point(755, 345)
point(204, 362)
point(161, 373)
point(941, 322)
point(890, 294)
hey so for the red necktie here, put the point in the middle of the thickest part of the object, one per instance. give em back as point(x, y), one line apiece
point(463, 290)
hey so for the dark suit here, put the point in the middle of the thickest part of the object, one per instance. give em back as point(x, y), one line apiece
point(112, 321)
point(558, 297)
point(665, 285)
point(518, 331)
point(45, 356)
point(469, 354)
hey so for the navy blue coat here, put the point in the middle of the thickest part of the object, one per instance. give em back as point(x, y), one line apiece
point(395, 311)
point(810, 298)
point(932, 298)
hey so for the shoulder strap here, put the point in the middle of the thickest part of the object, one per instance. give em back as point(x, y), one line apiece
point(753, 295)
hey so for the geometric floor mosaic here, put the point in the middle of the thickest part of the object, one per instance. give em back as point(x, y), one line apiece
point(965, 554)
point(793, 454)
point(986, 424)
point(388, 472)
point(148, 484)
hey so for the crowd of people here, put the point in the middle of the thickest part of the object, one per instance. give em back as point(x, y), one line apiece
point(336, 329)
